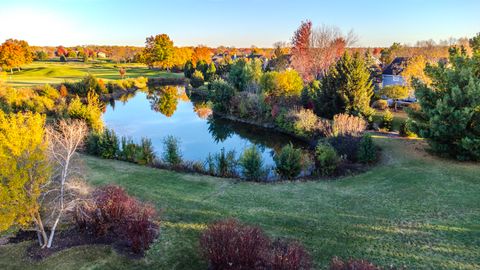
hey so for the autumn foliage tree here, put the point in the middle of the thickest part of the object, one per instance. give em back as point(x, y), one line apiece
point(159, 51)
point(23, 169)
point(14, 53)
point(301, 57)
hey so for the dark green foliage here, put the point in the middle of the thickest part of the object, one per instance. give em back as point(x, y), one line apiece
point(87, 84)
point(146, 154)
point(171, 151)
point(367, 151)
point(63, 58)
point(406, 130)
point(475, 43)
point(326, 158)
point(309, 93)
point(221, 95)
point(225, 163)
point(387, 120)
point(449, 117)
point(346, 146)
point(210, 72)
point(129, 149)
point(202, 66)
point(347, 88)
point(197, 79)
point(188, 69)
point(103, 144)
point(243, 74)
point(41, 55)
point(252, 164)
point(288, 162)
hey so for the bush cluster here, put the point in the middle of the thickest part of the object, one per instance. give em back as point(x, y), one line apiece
point(107, 145)
point(113, 212)
point(228, 244)
point(252, 164)
point(223, 164)
point(289, 162)
point(367, 151)
point(326, 158)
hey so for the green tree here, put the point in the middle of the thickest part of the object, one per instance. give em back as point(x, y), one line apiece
point(395, 92)
point(245, 74)
point(221, 95)
point(159, 51)
point(210, 72)
point(251, 163)
point(188, 69)
point(347, 88)
point(475, 43)
point(449, 113)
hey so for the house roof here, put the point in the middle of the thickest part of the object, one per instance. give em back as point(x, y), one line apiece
point(396, 67)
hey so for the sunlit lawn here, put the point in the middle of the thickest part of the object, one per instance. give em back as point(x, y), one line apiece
point(52, 72)
point(413, 210)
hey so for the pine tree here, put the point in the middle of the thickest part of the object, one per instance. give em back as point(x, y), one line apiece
point(449, 114)
point(347, 88)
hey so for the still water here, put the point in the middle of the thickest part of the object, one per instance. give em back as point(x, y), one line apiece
point(157, 113)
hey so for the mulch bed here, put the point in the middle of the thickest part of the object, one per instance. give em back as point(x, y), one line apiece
point(67, 239)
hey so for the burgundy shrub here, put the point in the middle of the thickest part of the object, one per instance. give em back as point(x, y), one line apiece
point(289, 256)
point(113, 212)
point(140, 229)
point(230, 245)
point(339, 264)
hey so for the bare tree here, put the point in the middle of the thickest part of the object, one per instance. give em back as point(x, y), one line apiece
point(64, 138)
point(327, 44)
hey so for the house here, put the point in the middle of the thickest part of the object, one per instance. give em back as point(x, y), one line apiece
point(101, 55)
point(391, 75)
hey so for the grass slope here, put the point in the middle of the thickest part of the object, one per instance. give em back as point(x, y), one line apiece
point(412, 210)
point(39, 73)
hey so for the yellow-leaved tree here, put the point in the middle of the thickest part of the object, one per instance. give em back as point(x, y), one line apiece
point(24, 168)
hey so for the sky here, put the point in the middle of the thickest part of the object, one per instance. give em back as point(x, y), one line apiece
point(237, 23)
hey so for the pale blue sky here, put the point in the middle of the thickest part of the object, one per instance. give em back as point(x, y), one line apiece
point(239, 23)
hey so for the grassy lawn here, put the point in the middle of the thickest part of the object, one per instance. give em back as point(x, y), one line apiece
point(39, 73)
point(412, 210)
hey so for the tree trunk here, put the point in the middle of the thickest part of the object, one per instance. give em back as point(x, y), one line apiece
point(41, 230)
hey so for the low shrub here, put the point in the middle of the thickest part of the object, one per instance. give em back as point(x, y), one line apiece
point(107, 144)
point(301, 122)
point(345, 146)
point(197, 79)
point(113, 212)
point(225, 163)
point(380, 104)
point(367, 151)
point(387, 120)
point(251, 163)
point(146, 154)
point(171, 151)
point(327, 159)
point(288, 162)
point(128, 150)
point(339, 264)
point(348, 125)
point(221, 95)
point(406, 130)
point(289, 256)
point(230, 245)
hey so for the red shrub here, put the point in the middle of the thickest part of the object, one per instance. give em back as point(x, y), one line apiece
point(114, 212)
point(289, 256)
point(339, 264)
point(140, 230)
point(230, 245)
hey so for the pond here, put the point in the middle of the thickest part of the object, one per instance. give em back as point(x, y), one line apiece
point(167, 110)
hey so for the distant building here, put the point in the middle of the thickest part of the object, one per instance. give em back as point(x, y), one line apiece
point(101, 55)
point(392, 73)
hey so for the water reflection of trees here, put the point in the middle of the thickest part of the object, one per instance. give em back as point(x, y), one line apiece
point(221, 129)
point(202, 109)
point(164, 99)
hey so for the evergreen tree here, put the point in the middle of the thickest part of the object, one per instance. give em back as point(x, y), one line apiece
point(449, 115)
point(210, 72)
point(188, 69)
point(347, 88)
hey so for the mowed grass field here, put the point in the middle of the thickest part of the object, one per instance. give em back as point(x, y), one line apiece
point(53, 72)
point(412, 210)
